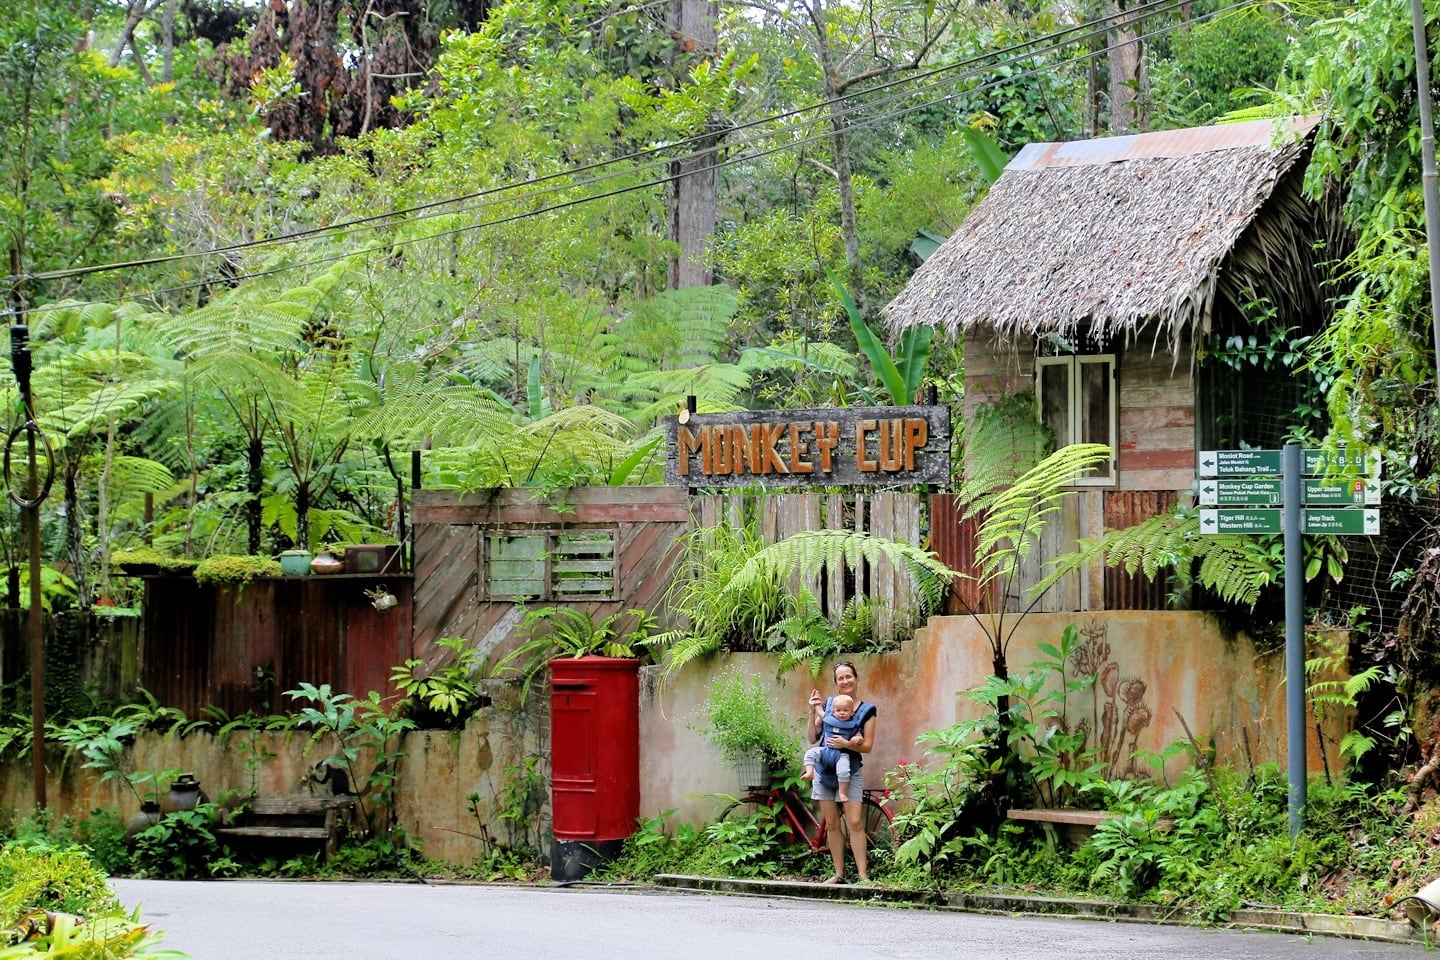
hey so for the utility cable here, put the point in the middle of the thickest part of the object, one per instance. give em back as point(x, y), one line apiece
point(648, 184)
point(978, 64)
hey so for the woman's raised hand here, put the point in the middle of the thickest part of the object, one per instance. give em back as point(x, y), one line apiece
point(815, 698)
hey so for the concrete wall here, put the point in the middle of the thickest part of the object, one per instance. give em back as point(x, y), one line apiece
point(1158, 667)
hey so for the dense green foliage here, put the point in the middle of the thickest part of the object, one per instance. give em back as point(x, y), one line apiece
point(265, 376)
point(55, 903)
point(251, 315)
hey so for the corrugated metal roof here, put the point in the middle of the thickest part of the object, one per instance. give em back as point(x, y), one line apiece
point(1160, 144)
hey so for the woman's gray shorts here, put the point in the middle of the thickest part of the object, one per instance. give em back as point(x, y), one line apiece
point(818, 790)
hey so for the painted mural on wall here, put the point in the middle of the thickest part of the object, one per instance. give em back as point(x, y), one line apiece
point(1119, 713)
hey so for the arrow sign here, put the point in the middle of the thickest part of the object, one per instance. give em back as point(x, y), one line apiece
point(1346, 492)
point(1340, 522)
point(1243, 493)
point(1238, 463)
point(1317, 462)
point(1239, 521)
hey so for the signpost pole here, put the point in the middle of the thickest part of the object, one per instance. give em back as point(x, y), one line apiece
point(1294, 635)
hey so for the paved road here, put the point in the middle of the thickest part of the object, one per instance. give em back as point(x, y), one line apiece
point(260, 920)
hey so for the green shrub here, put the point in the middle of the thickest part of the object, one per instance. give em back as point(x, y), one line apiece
point(740, 720)
point(180, 845)
point(101, 836)
point(34, 878)
point(235, 569)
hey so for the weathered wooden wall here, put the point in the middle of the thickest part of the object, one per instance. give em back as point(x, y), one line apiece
point(240, 648)
point(892, 516)
point(450, 600)
point(1156, 468)
point(1156, 396)
point(1157, 419)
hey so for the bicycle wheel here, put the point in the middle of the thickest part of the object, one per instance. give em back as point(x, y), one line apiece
point(779, 829)
point(742, 809)
point(879, 831)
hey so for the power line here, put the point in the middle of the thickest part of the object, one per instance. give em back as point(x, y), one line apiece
point(1043, 44)
point(644, 185)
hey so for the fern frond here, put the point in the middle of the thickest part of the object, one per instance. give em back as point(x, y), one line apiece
point(809, 552)
point(1013, 516)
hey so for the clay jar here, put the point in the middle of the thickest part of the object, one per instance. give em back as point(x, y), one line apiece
point(185, 793)
point(324, 563)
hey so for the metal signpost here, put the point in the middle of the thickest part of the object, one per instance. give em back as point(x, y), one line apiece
point(1315, 492)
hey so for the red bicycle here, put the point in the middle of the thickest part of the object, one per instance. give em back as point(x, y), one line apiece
point(800, 824)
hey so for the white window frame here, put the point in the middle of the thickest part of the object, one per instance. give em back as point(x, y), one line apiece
point(1073, 363)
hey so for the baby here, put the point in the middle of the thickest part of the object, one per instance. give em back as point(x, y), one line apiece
point(832, 763)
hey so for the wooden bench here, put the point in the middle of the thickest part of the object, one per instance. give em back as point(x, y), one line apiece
point(1073, 826)
point(298, 818)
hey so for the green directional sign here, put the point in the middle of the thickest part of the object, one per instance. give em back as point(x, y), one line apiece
point(1353, 492)
point(1239, 521)
point(1314, 463)
point(1242, 493)
point(1341, 522)
point(1238, 463)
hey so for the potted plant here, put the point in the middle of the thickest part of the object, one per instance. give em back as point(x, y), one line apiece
point(556, 632)
point(741, 721)
point(381, 598)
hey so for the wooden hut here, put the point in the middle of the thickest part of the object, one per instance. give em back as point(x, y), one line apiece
point(1102, 276)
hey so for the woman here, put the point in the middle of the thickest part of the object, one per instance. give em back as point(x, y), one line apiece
point(847, 681)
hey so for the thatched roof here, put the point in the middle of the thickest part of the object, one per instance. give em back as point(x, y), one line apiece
point(1121, 235)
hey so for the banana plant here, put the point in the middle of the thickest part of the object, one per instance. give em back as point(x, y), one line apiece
point(900, 374)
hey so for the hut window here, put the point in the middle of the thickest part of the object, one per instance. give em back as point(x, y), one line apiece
point(565, 564)
point(1077, 403)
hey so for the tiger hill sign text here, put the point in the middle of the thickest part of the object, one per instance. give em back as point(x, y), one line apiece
point(842, 446)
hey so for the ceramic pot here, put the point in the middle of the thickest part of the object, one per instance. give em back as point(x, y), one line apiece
point(325, 563)
point(185, 793)
point(147, 816)
point(295, 563)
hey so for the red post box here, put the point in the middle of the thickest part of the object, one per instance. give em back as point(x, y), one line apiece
point(594, 760)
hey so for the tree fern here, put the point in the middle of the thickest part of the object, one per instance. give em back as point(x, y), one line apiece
point(1011, 491)
point(1012, 516)
point(732, 588)
point(1235, 568)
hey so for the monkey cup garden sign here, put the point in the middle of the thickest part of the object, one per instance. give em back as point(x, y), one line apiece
point(843, 446)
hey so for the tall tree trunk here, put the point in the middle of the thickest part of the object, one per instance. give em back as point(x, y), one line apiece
point(75, 536)
point(254, 486)
point(692, 184)
point(844, 184)
point(134, 13)
point(1129, 78)
point(835, 89)
point(167, 40)
point(302, 514)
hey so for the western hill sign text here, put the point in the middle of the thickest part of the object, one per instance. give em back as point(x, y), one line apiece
point(841, 446)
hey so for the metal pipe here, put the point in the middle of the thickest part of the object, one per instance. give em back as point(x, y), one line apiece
point(1429, 188)
point(30, 516)
point(1295, 731)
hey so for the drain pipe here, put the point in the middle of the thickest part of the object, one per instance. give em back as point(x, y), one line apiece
point(1428, 176)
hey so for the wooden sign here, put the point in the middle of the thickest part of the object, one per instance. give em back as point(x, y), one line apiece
point(841, 446)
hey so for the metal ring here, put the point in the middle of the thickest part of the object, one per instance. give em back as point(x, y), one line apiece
point(29, 427)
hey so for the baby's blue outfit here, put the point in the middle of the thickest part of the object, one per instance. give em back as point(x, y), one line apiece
point(833, 764)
